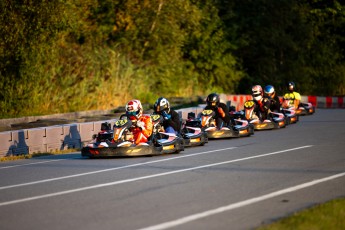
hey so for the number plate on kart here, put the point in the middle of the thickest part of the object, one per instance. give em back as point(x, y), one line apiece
point(155, 117)
point(120, 123)
point(195, 140)
point(207, 112)
point(248, 104)
point(168, 147)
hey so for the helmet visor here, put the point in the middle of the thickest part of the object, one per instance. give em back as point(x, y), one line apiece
point(270, 94)
point(213, 103)
point(257, 96)
point(133, 115)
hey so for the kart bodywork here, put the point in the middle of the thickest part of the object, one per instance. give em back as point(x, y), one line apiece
point(191, 136)
point(275, 120)
point(303, 108)
point(171, 142)
point(194, 136)
point(207, 122)
point(290, 115)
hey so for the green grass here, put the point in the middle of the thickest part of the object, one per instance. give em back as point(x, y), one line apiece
point(327, 216)
point(28, 156)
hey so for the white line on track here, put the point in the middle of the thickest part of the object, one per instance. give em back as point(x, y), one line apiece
point(240, 204)
point(144, 177)
point(34, 163)
point(111, 169)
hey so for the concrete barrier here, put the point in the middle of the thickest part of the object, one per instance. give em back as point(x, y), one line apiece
point(48, 139)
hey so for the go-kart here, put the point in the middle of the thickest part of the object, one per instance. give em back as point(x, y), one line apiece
point(119, 142)
point(290, 115)
point(275, 120)
point(170, 142)
point(191, 136)
point(303, 108)
point(206, 121)
point(306, 109)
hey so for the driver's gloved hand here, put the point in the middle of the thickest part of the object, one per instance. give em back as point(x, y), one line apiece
point(140, 124)
point(166, 116)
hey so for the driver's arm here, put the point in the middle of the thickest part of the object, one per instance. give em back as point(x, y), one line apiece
point(148, 127)
point(225, 115)
point(174, 122)
point(297, 100)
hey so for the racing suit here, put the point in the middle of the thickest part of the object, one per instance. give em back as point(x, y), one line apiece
point(293, 98)
point(142, 129)
point(274, 103)
point(171, 123)
point(262, 108)
point(222, 115)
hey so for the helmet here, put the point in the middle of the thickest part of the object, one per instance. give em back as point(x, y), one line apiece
point(212, 99)
point(162, 104)
point(269, 91)
point(291, 86)
point(257, 92)
point(134, 109)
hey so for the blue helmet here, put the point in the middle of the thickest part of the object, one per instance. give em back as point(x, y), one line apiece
point(269, 90)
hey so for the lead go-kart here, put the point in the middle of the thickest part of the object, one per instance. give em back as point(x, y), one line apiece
point(302, 110)
point(119, 142)
point(274, 121)
point(206, 121)
point(192, 136)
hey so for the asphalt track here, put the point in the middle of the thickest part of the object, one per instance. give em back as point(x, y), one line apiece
point(227, 184)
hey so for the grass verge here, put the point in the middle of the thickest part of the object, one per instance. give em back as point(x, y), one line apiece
point(330, 215)
point(28, 156)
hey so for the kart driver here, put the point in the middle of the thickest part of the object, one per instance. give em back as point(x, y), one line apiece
point(222, 115)
point(262, 105)
point(271, 95)
point(293, 97)
point(142, 124)
point(171, 118)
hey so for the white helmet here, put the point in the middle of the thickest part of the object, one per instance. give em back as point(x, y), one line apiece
point(257, 92)
point(134, 109)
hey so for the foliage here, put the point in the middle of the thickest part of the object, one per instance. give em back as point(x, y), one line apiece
point(64, 56)
point(281, 41)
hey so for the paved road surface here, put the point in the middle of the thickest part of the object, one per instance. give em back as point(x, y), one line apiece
point(226, 184)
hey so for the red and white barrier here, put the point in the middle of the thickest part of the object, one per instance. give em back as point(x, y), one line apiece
point(318, 102)
point(325, 102)
point(236, 100)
